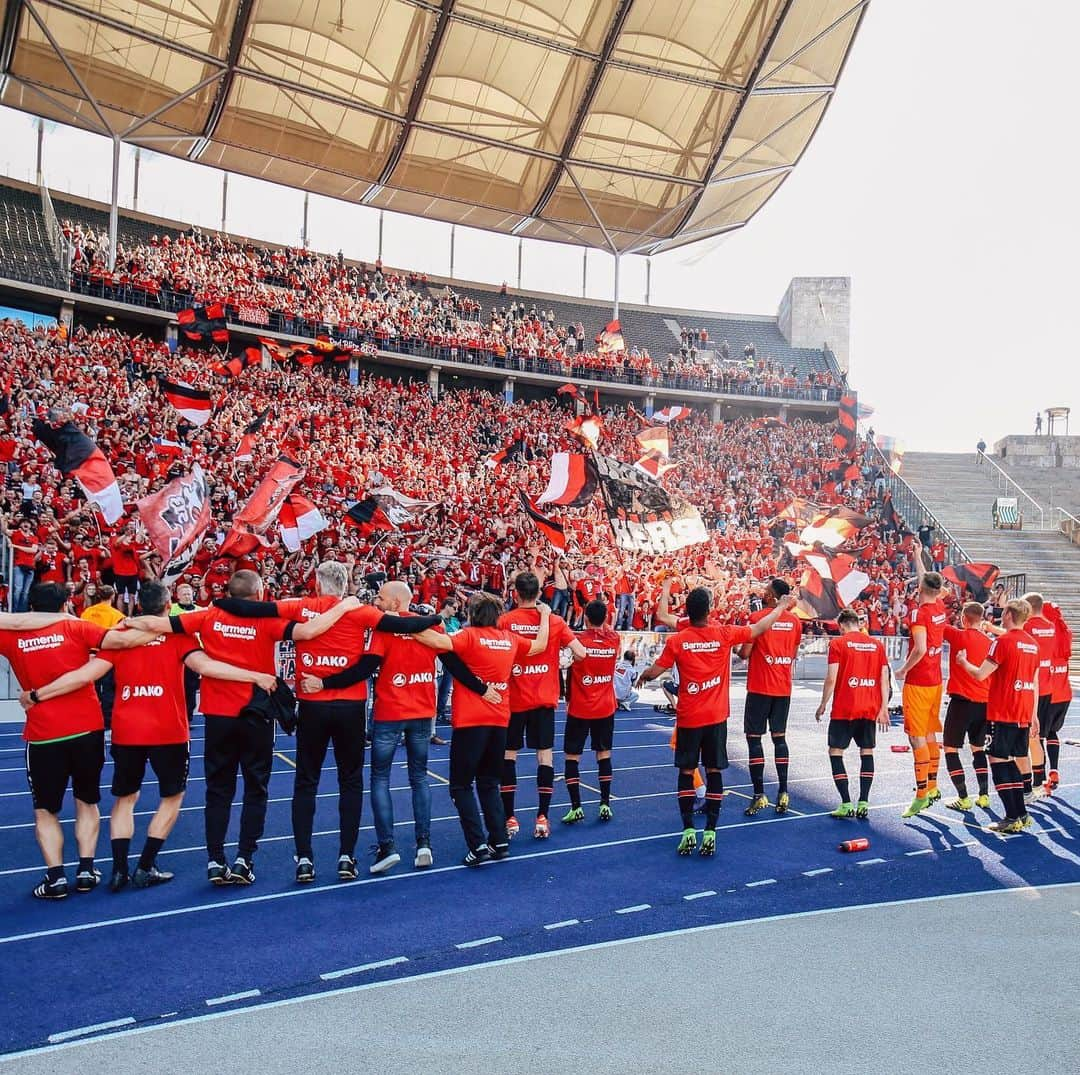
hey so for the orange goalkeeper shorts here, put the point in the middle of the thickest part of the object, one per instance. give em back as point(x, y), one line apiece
point(922, 710)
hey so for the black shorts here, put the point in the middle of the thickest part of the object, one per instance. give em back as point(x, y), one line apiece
point(964, 719)
point(534, 728)
point(1055, 719)
point(862, 732)
point(126, 584)
point(601, 733)
point(707, 744)
point(49, 767)
point(1008, 740)
point(169, 762)
point(766, 711)
point(670, 686)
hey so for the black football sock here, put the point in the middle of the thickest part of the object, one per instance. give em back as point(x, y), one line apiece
point(573, 782)
point(149, 852)
point(120, 848)
point(686, 799)
point(509, 786)
point(982, 771)
point(604, 767)
point(866, 777)
point(839, 775)
point(955, 768)
point(714, 796)
point(545, 785)
point(782, 756)
point(756, 762)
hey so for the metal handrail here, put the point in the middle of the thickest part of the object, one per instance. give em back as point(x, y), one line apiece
point(896, 484)
point(1010, 480)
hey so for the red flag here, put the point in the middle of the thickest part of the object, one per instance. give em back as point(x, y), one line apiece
point(177, 516)
point(573, 480)
point(587, 430)
point(78, 457)
point(194, 404)
point(252, 521)
point(367, 516)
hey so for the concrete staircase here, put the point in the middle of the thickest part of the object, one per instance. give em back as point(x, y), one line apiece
point(961, 494)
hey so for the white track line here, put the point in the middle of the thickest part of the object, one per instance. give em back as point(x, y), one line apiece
point(818, 872)
point(78, 1032)
point(764, 881)
point(478, 943)
point(564, 924)
point(633, 910)
point(700, 895)
point(230, 998)
point(333, 975)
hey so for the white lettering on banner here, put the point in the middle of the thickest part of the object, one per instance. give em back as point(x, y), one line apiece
point(242, 632)
point(29, 645)
point(659, 536)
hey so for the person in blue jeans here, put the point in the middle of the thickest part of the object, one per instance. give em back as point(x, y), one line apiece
point(25, 544)
point(404, 707)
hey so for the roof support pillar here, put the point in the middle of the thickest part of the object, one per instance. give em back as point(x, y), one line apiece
point(648, 279)
point(303, 224)
point(135, 189)
point(521, 243)
point(114, 200)
point(224, 198)
point(615, 297)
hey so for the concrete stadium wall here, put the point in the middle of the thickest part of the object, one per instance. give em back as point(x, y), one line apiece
point(815, 311)
point(1039, 451)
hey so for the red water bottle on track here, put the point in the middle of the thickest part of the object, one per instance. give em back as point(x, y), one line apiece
point(860, 843)
point(900, 748)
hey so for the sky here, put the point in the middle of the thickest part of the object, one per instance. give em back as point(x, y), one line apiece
point(942, 181)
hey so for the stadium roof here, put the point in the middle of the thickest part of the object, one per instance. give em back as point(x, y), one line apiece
point(630, 125)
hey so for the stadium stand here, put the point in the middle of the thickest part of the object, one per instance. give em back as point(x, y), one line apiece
point(25, 250)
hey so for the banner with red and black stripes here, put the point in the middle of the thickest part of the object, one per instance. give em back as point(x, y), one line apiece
point(847, 421)
point(204, 324)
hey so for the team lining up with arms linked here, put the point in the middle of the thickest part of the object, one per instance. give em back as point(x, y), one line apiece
point(1009, 693)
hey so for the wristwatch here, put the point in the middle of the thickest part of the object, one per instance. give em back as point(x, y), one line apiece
point(34, 697)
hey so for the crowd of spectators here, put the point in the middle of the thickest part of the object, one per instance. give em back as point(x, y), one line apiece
point(740, 474)
point(309, 294)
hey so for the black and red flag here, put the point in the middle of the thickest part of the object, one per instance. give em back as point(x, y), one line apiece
point(250, 523)
point(254, 426)
point(514, 450)
point(368, 516)
point(78, 457)
point(847, 421)
point(204, 324)
point(176, 518)
point(833, 526)
point(977, 577)
point(194, 404)
point(331, 351)
point(551, 528)
point(830, 583)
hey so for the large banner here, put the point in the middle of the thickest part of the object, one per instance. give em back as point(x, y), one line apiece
point(644, 516)
point(175, 518)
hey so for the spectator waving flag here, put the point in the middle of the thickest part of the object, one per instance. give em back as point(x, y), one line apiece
point(833, 527)
point(299, 520)
point(830, 583)
point(367, 516)
point(514, 450)
point(176, 518)
point(551, 528)
point(847, 421)
point(250, 523)
point(800, 512)
point(194, 404)
point(586, 429)
point(611, 339)
point(78, 457)
point(672, 414)
point(573, 481)
point(204, 324)
point(656, 439)
point(977, 577)
point(258, 422)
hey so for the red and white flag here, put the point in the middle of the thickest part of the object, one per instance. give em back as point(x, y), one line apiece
point(194, 404)
point(654, 464)
point(298, 521)
point(245, 449)
point(656, 440)
point(78, 457)
point(586, 429)
point(573, 481)
point(175, 518)
point(672, 414)
point(252, 521)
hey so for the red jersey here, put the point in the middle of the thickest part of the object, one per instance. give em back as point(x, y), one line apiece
point(1013, 683)
point(535, 684)
point(1042, 630)
point(932, 619)
point(490, 654)
point(334, 650)
point(40, 656)
point(125, 556)
point(703, 657)
point(1060, 687)
point(861, 668)
point(149, 705)
point(406, 689)
point(245, 643)
point(772, 656)
point(592, 679)
point(977, 646)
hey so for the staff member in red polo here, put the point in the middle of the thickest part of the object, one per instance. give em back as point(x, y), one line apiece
point(149, 725)
point(234, 745)
point(479, 723)
point(65, 739)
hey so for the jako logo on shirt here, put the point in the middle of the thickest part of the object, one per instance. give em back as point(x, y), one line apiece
point(778, 660)
point(401, 680)
point(152, 690)
point(586, 681)
point(589, 681)
point(854, 682)
point(1021, 685)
